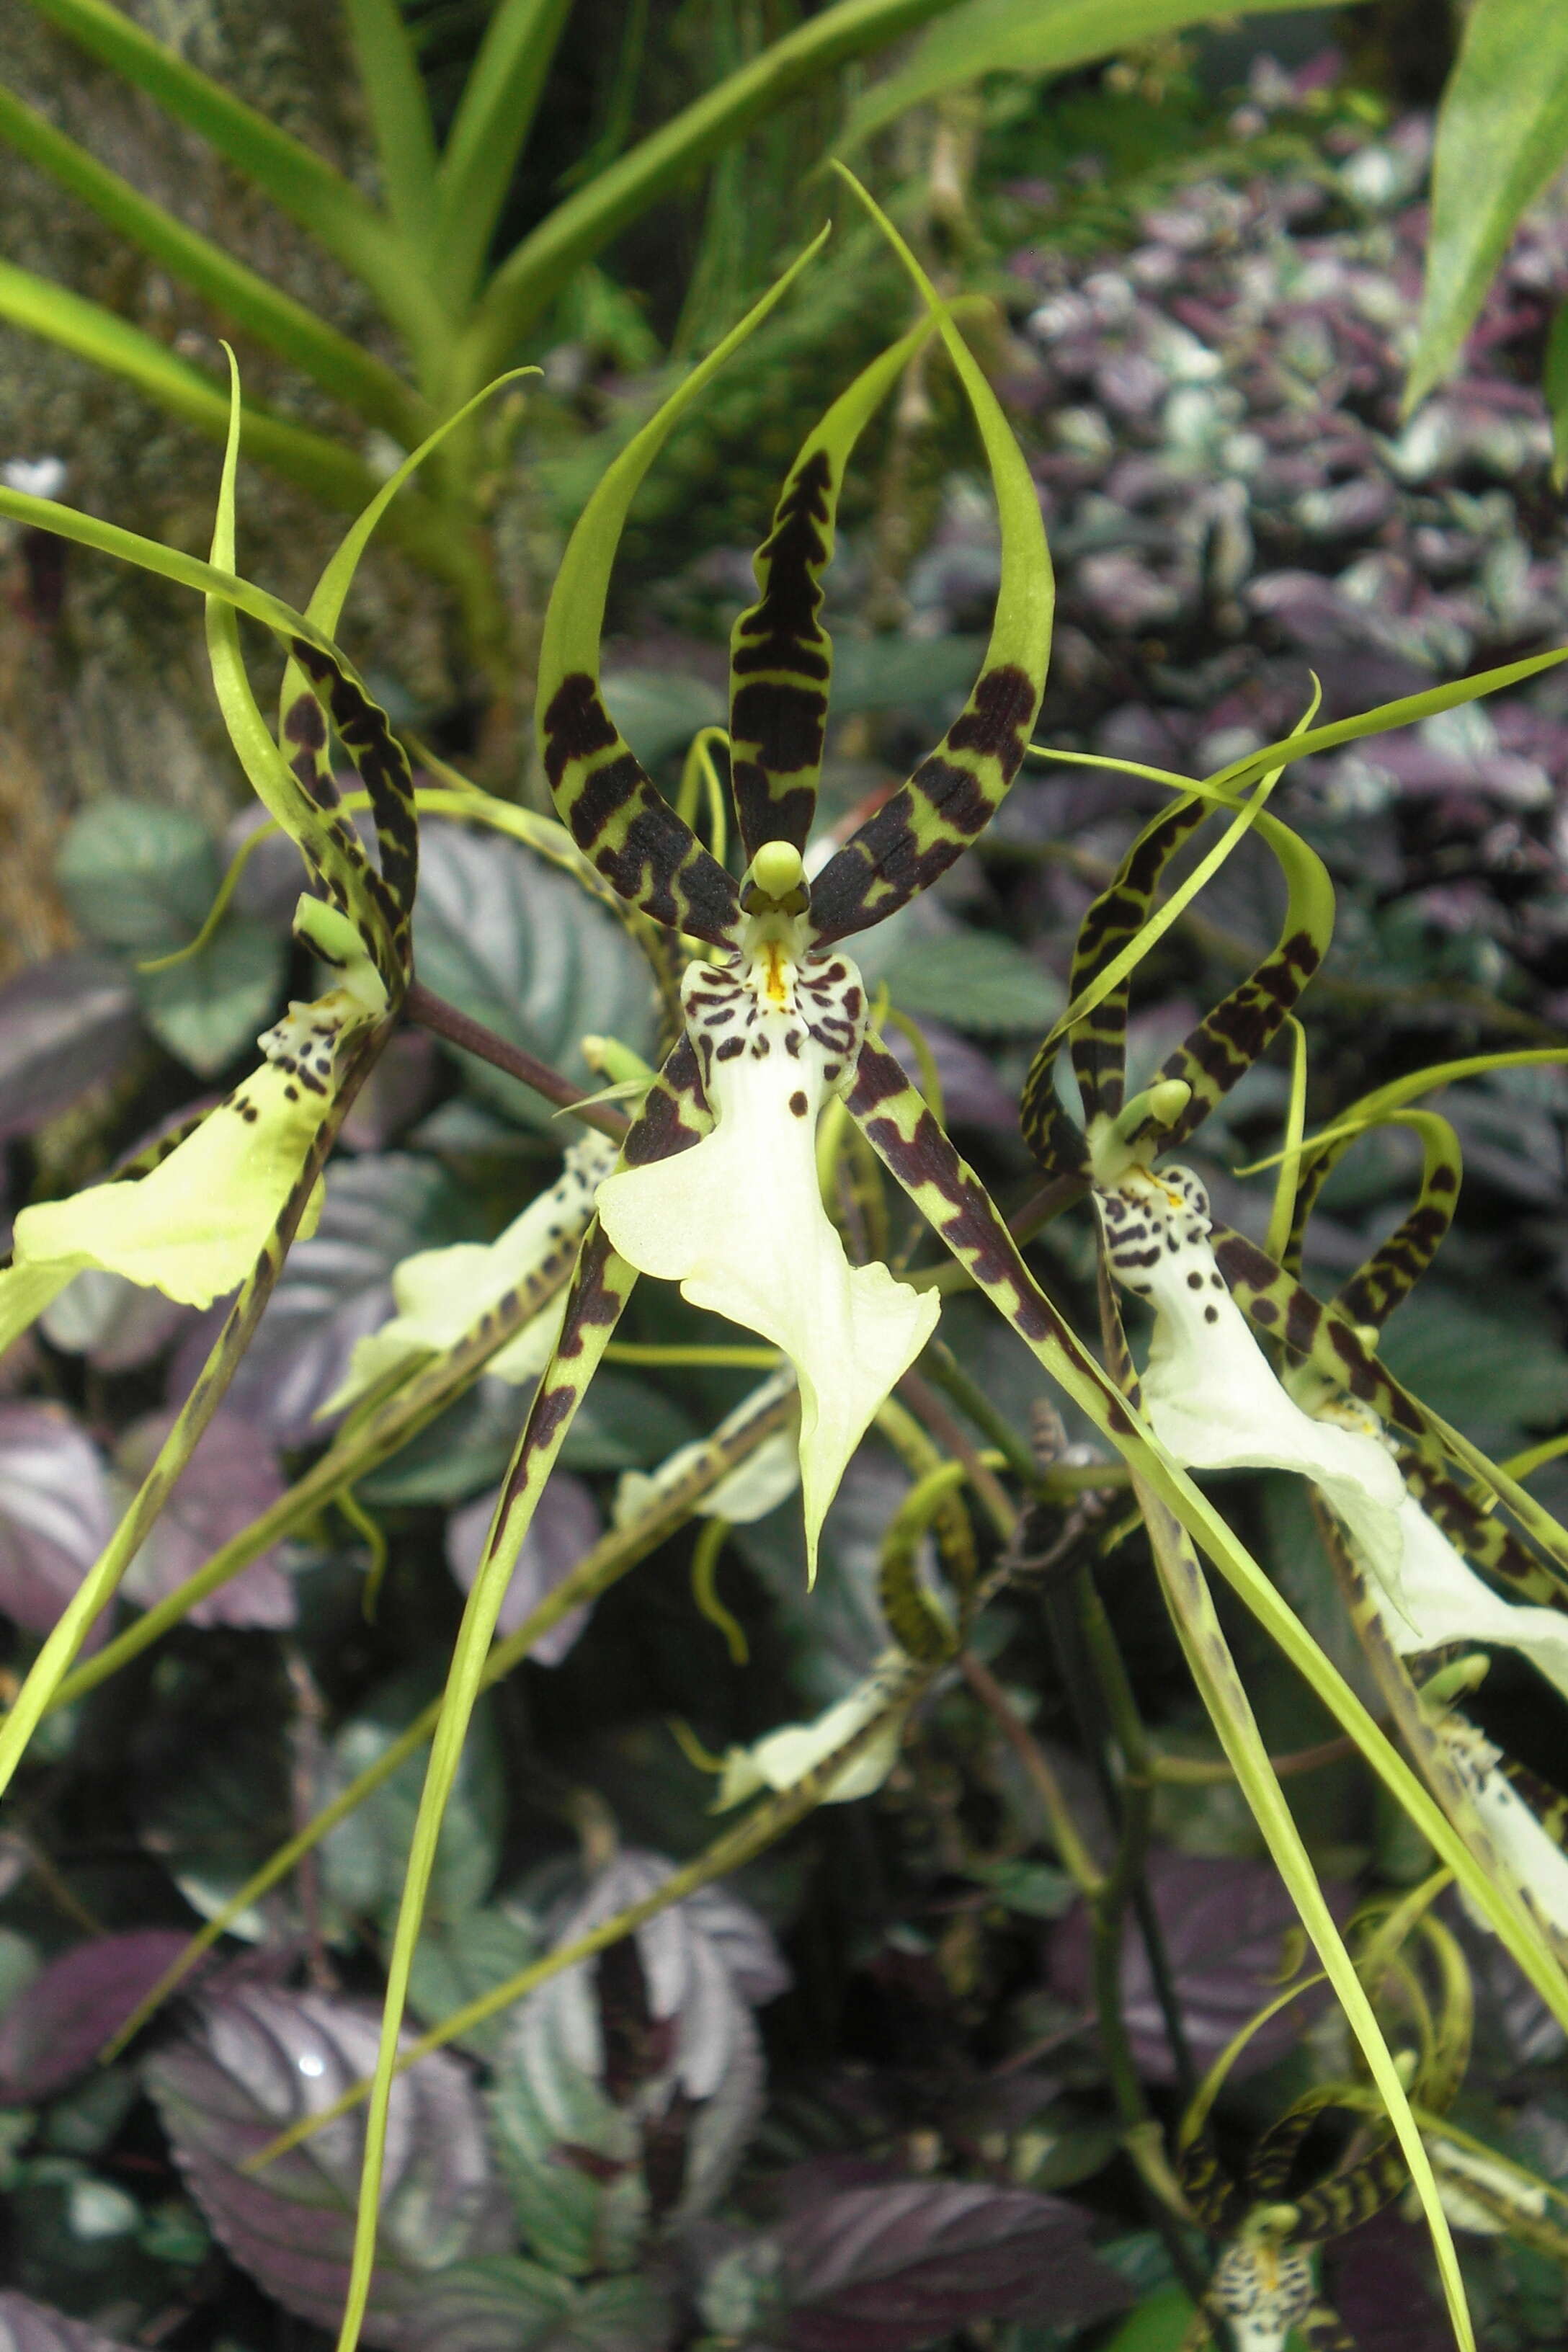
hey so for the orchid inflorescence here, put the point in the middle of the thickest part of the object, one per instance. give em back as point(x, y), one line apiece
point(715, 1184)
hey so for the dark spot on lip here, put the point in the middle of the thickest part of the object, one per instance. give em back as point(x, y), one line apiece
point(1195, 1281)
point(1211, 1313)
point(798, 1104)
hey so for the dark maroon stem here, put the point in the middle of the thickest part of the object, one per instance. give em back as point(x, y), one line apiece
point(428, 1011)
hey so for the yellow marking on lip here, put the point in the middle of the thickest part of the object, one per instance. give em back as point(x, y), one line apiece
point(775, 981)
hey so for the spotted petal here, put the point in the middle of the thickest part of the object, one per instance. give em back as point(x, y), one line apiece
point(195, 1224)
point(1209, 1394)
point(442, 1294)
point(738, 1220)
point(787, 1755)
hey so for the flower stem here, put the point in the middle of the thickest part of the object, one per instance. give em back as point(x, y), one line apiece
point(428, 1011)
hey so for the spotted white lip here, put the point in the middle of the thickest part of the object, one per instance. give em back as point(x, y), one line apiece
point(1209, 1392)
point(738, 1220)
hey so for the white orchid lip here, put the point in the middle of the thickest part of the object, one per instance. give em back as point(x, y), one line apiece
point(1210, 1394)
point(737, 1221)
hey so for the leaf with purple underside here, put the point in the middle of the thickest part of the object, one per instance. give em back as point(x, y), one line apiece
point(65, 1024)
point(887, 2269)
point(252, 2061)
point(57, 2025)
point(55, 1513)
point(231, 1478)
point(1226, 1924)
point(509, 2306)
point(566, 1525)
point(29, 2326)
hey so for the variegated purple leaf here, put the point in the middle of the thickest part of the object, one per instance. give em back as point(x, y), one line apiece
point(59, 2023)
point(1228, 1925)
point(566, 1525)
point(336, 1287)
point(253, 2060)
point(55, 1513)
point(65, 1025)
point(508, 2306)
point(628, 2085)
point(231, 1478)
point(115, 1323)
point(29, 2326)
point(887, 2269)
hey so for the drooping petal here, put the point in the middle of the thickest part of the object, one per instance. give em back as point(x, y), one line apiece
point(785, 1757)
point(195, 1226)
point(1209, 1392)
point(1536, 1864)
point(1442, 1600)
point(738, 1220)
point(442, 1294)
point(756, 1486)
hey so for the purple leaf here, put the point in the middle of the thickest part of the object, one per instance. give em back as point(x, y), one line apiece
point(1379, 2279)
point(566, 1525)
point(885, 2268)
point(629, 2084)
point(55, 1513)
point(230, 1479)
point(65, 1025)
point(334, 1288)
point(509, 2306)
point(57, 2024)
point(744, 1941)
point(1225, 1926)
point(253, 2061)
point(115, 1324)
point(29, 2326)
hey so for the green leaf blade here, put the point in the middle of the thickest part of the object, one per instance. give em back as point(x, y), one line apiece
point(1502, 131)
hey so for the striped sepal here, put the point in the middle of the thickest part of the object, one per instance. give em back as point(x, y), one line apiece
point(611, 807)
point(1483, 1537)
point(366, 732)
point(952, 795)
point(780, 659)
point(1100, 1040)
point(1228, 1041)
point(1395, 1267)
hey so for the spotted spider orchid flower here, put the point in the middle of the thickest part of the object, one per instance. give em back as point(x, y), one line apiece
point(1209, 1392)
point(719, 1188)
point(196, 1221)
point(193, 1225)
point(1531, 1859)
point(783, 1758)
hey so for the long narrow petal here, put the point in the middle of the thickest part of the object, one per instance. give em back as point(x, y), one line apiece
point(786, 1756)
point(441, 1294)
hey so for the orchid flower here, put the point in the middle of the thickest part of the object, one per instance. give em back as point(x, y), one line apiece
point(194, 1218)
point(1523, 1850)
point(755, 1487)
point(442, 1294)
point(785, 1757)
point(719, 1188)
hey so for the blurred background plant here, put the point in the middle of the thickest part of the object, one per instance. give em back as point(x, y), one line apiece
point(1288, 388)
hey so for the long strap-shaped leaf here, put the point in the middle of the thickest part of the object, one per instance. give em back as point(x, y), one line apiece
point(301, 182)
point(917, 834)
point(102, 1579)
point(341, 367)
point(674, 1117)
point(488, 133)
point(908, 1141)
point(535, 272)
point(781, 658)
point(614, 814)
